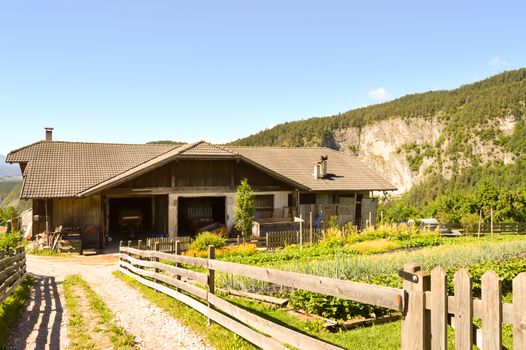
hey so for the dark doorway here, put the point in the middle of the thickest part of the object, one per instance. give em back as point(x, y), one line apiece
point(358, 211)
point(197, 212)
point(130, 218)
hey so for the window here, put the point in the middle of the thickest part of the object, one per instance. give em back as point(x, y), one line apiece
point(264, 205)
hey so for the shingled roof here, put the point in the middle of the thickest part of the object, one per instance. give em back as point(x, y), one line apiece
point(70, 169)
point(64, 169)
point(345, 172)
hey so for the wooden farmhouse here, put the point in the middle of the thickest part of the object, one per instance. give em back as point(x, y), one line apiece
point(141, 190)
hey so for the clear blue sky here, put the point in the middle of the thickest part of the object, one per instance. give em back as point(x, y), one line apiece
point(136, 71)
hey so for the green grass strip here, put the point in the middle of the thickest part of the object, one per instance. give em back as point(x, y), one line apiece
point(12, 308)
point(117, 335)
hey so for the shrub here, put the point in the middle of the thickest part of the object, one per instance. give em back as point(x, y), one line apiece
point(244, 209)
point(204, 239)
point(244, 249)
point(470, 223)
point(376, 246)
point(10, 240)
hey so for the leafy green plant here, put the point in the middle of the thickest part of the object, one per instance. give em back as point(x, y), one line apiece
point(204, 239)
point(11, 309)
point(244, 209)
point(10, 240)
point(331, 307)
point(7, 214)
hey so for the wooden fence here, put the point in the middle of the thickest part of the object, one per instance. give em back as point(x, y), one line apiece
point(167, 244)
point(12, 271)
point(518, 228)
point(429, 310)
point(424, 301)
point(281, 238)
point(144, 266)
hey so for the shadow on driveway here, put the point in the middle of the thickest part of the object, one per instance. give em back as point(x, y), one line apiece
point(40, 325)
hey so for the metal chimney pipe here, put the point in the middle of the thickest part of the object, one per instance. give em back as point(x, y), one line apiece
point(49, 134)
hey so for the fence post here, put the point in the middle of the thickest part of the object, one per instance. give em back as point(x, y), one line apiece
point(211, 275)
point(491, 221)
point(178, 252)
point(464, 310)
point(139, 244)
point(310, 227)
point(416, 327)
point(156, 248)
point(519, 311)
point(439, 312)
point(301, 231)
point(492, 311)
point(266, 240)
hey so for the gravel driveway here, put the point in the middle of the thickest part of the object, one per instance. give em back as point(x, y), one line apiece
point(44, 324)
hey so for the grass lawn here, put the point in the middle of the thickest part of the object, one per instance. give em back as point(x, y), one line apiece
point(11, 309)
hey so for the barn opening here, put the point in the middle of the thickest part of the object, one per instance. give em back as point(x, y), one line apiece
point(197, 214)
point(130, 218)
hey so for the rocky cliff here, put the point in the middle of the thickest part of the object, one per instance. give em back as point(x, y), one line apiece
point(405, 151)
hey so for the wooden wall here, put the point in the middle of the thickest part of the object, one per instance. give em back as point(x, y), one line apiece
point(205, 173)
point(39, 209)
point(81, 212)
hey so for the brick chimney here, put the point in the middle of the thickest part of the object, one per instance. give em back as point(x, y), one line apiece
point(49, 134)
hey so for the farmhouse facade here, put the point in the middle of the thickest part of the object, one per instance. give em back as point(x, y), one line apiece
point(175, 189)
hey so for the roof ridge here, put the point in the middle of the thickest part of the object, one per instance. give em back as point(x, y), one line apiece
point(24, 147)
point(116, 143)
point(195, 144)
point(283, 147)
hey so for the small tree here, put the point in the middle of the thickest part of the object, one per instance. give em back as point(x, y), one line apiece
point(244, 210)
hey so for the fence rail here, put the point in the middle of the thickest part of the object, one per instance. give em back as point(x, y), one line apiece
point(145, 267)
point(12, 271)
point(424, 301)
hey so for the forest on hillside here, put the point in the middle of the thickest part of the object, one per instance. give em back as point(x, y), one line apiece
point(468, 110)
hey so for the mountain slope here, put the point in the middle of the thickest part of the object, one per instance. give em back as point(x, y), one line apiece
point(437, 135)
point(8, 170)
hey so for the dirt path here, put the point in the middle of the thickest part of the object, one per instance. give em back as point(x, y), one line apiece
point(151, 326)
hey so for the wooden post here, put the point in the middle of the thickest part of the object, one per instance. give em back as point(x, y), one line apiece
point(310, 228)
point(519, 311)
point(178, 252)
point(480, 222)
point(492, 311)
point(464, 310)
point(416, 328)
point(267, 240)
point(156, 248)
point(370, 219)
point(211, 275)
point(129, 243)
point(439, 309)
point(491, 221)
point(139, 244)
point(301, 231)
